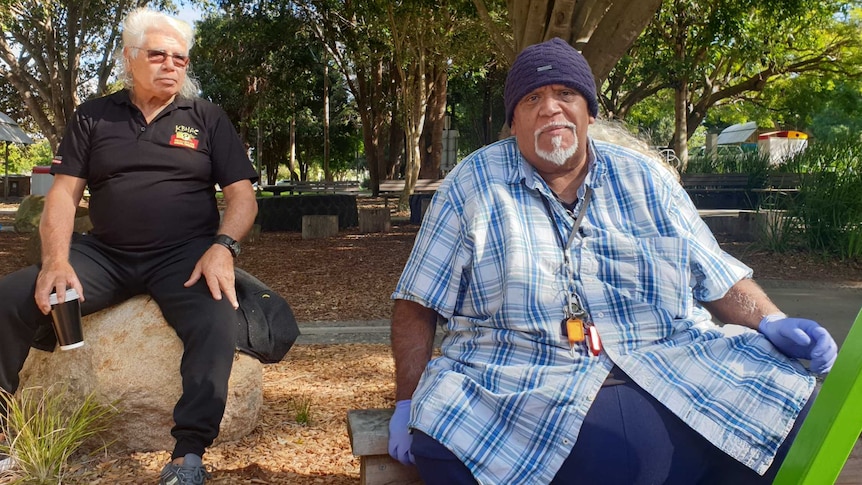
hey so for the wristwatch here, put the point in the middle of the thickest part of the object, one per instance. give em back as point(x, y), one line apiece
point(230, 243)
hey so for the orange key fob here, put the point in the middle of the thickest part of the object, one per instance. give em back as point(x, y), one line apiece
point(575, 330)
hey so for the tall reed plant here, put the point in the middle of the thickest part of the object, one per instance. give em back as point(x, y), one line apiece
point(750, 162)
point(825, 216)
point(780, 230)
point(44, 429)
point(829, 205)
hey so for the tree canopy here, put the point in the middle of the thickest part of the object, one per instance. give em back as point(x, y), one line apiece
point(712, 53)
point(603, 30)
point(304, 79)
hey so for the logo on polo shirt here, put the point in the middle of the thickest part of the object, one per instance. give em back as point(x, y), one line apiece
point(185, 136)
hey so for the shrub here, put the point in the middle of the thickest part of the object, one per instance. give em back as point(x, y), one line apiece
point(43, 429)
point(829, 205)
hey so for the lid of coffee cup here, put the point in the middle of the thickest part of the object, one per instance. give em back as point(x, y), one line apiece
point(71, 294)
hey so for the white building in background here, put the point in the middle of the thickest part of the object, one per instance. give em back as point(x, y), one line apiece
point(737, 134)
point(776, 145)
point(781, 145)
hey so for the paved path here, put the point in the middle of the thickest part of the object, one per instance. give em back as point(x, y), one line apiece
point(834, 306)
point(357, 332)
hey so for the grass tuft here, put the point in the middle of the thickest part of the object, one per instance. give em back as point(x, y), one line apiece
point(44, 428)
point(302, 410)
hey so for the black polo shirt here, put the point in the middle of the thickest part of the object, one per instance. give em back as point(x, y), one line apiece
point(152, 185)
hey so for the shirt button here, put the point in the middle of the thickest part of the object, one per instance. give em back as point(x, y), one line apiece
point(566, 441)
point(143, 128)
point(601, 315)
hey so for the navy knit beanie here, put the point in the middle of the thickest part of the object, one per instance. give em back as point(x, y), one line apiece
point(551, 62)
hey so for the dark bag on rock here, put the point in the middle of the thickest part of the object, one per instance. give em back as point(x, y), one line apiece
point(267, 326)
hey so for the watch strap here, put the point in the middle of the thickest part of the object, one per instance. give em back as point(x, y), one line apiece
point(230, 243)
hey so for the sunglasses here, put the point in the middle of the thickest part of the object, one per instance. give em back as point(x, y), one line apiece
point(157, 56)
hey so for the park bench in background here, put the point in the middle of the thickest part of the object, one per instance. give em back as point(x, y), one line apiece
point(394, 188)
point(314, 186)
point(738, 190)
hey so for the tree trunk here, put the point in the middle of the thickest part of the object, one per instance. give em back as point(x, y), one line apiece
point(414, 94)
point(615, 24)
point(434, 124)
point(327, 173)
point(680, 137)
point(41, 52)
point(366, 90)
point(363, 72)
point(486, 124)
point(618, 29)
point(392, 164)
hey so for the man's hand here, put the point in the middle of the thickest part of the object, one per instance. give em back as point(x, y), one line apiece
point(801, 339)
point(400, 438)
point(55, 231)
point(55, 277)
point(216, 266)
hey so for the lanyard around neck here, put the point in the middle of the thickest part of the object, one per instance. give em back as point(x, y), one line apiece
point(578, 220)
point(574, 305)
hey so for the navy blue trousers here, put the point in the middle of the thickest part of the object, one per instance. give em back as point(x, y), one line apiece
point(108, 276)
point(628, 438)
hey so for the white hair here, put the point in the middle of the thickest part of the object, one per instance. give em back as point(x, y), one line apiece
point(615, 132)
point(135, 28)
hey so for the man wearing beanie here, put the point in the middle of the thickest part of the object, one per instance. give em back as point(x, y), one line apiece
point(575, 286)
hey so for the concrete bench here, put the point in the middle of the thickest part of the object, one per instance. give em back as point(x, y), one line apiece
point(368, 430)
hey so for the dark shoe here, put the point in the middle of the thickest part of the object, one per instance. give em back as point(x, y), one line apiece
point(191, 472)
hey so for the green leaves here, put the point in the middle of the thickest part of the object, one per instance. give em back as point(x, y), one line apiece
point(43, 429)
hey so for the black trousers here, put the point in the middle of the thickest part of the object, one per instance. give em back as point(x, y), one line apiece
point(108, 276)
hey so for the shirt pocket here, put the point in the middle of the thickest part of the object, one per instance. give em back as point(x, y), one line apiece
point(650, 270)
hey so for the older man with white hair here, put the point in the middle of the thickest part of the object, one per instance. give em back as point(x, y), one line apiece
point(151, 155)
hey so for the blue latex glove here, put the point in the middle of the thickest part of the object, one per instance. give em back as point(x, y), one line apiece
point(801, 339)
point(400, 438)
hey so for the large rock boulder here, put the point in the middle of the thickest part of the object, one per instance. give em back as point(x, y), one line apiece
point(33, 246)
point(131, 355)
point(29, 212)
point(27, 219)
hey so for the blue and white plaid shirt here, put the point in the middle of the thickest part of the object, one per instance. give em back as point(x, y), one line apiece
point(506, 396)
